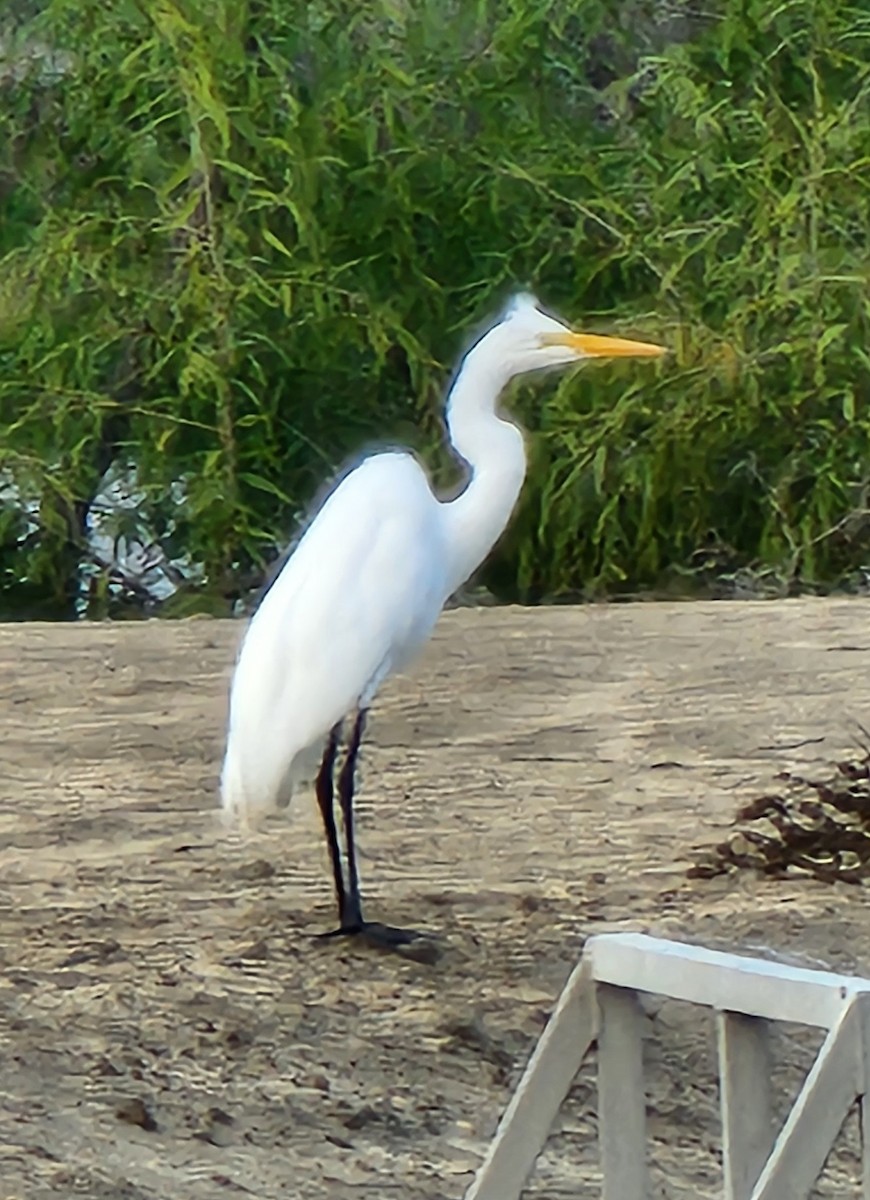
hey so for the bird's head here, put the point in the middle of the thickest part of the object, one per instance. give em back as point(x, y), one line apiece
point(531, 340)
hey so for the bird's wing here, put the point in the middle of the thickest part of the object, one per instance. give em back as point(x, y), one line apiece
point(358, 596)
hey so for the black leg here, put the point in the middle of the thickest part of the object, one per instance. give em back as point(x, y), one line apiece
point(351, 917)
point(352, 922)
point(324, 790)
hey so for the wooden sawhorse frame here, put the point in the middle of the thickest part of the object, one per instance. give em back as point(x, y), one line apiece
point(599, 1005)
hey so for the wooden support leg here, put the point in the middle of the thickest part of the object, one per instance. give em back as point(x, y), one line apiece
point(745, 1097)
point(621, 1095)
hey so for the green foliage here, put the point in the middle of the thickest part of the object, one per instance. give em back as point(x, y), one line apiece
point(242, 239)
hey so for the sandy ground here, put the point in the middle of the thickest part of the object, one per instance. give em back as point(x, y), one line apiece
point(169, 1029)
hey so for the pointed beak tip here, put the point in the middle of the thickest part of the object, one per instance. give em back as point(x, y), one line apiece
point(591, 345)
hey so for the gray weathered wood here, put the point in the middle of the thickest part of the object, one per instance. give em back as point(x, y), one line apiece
point(742, 990)
point(621, 1095)
point(817, 1114)
point(545, 1084)
point(864, 1114)
point(745, 1099)
point(864, 1109)
point(729, 982)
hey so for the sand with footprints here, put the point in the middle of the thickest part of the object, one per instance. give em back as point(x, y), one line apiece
point(168, 1027)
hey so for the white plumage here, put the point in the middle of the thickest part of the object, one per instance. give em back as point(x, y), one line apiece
point(360, 594)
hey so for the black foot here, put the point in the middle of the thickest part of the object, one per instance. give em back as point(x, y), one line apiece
point(411, 943)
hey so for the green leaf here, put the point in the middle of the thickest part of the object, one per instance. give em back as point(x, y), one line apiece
point(276, 243)
point(599, 466)
point(261, 484)
point(829, 336)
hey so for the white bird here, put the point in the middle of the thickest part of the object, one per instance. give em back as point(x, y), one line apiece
point(360, 594)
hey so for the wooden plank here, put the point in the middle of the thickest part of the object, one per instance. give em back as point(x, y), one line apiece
point(804, 1142)
point(864, 1109)
point(728, 982)
point(621, 1095)
point(546, 1082)
point(864, 1115)
point(745, 1099)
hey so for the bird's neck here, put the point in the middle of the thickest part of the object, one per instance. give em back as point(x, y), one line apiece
point(495, 456)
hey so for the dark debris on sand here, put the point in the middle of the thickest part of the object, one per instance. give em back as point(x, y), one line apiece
point(814, 827)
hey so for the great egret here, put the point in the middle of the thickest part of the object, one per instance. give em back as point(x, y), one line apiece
point(360, 594)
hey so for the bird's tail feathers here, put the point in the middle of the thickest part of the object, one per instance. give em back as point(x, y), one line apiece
point(251, 789)
point(244, 803)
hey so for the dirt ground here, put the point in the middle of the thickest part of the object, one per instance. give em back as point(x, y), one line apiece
point(169, 1029)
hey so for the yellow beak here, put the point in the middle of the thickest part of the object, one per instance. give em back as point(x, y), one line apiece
point(594, 345)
